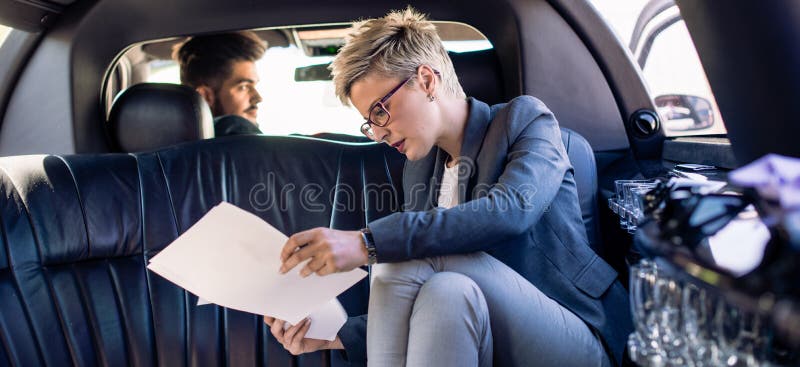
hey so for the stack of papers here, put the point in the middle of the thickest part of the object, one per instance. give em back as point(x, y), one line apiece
point(231, 258)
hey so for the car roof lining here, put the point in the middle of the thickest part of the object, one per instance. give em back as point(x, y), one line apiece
point(162, 50)
point(31, 15)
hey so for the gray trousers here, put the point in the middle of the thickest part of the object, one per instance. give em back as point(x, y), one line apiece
point(470, 310)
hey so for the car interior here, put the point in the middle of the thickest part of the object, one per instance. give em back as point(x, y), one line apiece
point(101, 167)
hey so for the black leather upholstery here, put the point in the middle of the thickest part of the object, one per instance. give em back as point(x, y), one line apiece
point(150, 116)
point(479, 75)
point(78, 231)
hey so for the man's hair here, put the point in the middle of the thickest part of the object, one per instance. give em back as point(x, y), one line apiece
point(208, 59)
point(395, 45)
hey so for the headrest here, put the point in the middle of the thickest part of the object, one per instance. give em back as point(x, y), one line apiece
point(149, 116)
point(479, 75)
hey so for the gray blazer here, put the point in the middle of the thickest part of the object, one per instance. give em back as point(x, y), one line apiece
point(519, 203)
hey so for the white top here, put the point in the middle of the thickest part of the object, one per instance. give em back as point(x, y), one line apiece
point(448, 192)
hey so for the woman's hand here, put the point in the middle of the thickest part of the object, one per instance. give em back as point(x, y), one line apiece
point(293, 339)
point(330, 251)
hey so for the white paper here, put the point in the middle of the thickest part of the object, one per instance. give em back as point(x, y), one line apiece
point(231, 258)
point(326, 321)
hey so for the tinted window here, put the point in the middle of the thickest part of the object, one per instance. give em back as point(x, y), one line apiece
point(4, 31)
point(309, 106)
point(670, 65)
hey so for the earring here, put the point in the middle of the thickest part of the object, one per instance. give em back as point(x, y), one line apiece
point(431, 98)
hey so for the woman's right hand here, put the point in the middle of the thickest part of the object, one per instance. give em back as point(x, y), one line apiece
point(330, 250)
point(293, 338)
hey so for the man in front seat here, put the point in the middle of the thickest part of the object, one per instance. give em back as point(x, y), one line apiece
point(221, 67)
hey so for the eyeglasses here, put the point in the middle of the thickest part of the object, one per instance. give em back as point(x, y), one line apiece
point(378, 113)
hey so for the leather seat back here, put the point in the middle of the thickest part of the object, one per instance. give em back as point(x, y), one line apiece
point(79, 230)
point(479, 75)
point(150, 116)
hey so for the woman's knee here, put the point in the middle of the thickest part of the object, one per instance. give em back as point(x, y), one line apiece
point(388, 277)
point(450, 306)
point(452, 293)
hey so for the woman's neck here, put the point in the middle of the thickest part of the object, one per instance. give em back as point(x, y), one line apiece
point(455, 112)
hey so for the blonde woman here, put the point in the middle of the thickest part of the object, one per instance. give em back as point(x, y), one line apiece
point(489, 263)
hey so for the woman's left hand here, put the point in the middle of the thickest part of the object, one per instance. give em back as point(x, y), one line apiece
point(330, 251)
point(294, 338)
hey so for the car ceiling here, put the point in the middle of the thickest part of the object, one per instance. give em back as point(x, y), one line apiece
point(31, 16)
point(282, 37)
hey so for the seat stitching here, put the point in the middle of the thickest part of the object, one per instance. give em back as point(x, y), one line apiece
point(118, 302)
point(151, 316)
point(186, 318)
point(80, 202)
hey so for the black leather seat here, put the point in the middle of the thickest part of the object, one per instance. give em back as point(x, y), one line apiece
point(479, 75)
point(78, 231)
point(150, 116)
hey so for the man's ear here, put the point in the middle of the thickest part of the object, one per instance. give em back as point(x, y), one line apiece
point(207, 93)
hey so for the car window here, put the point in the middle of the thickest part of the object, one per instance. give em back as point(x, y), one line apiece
point(660, 43)
point(4, 31)
point(298, 98)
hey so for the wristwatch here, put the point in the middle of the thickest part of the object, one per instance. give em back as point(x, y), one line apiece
point(369, 243)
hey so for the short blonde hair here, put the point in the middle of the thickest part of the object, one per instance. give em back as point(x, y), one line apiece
point(395, 45)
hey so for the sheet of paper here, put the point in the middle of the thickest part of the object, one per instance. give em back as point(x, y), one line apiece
point(231, 258)
point(326, 321)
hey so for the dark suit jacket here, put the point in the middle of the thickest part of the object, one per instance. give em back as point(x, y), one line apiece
point(519, 203)
point(234, 125)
